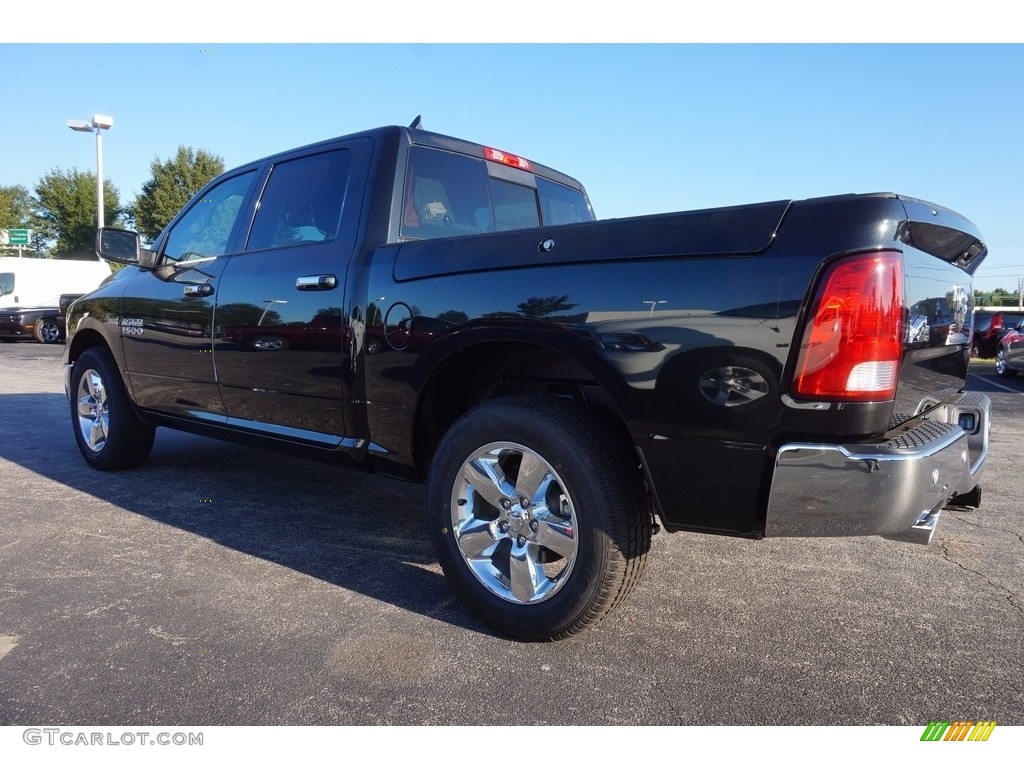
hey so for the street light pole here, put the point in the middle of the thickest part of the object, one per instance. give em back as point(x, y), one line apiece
point(99, 179)
point(654, 303)
point(97, 124)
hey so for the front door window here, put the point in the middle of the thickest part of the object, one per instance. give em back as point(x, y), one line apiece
point(206, 230)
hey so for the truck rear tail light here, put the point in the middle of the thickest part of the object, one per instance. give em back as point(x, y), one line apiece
point(853, 342)
point(497, 156)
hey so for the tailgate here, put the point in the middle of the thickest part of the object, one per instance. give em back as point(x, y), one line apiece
point(942, 251)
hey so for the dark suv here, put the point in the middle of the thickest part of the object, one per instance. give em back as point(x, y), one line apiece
point(989, 328)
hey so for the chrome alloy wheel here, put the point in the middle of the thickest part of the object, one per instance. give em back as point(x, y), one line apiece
point(513, 523)
point(93, 413)
point(1001, 362)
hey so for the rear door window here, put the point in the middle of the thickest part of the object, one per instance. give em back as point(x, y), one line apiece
point(302, 201)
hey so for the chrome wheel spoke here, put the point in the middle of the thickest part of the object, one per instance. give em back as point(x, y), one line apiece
point(533, 473)
point(487, 479)
point(525, 574)
point(556, 534)
point(86, 407)
point(98, 433)
point(475, 538)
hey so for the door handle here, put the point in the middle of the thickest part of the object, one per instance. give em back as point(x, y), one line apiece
point(199, 290)
point(316, 282)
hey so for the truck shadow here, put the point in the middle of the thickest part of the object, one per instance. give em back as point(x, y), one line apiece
point(359, 531)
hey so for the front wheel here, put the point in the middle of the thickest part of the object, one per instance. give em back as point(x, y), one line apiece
point(47, 331)
point(539, 516)
point(1001, 364)
point(109, 433)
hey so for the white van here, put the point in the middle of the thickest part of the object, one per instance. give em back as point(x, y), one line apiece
point(28, 282)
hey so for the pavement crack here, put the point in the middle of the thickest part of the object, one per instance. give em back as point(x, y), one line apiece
point(973, 524)
point(1011, 598)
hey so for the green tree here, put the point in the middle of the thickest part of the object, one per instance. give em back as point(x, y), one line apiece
point(15, 207)
point(172, 184)
point(16, 212)
point(543, 306)
point(453, 316)
point(65, 211)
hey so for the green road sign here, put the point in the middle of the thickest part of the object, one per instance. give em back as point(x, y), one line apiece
point(14, 236)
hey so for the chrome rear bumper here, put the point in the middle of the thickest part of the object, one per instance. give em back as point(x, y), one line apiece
point(893, 488)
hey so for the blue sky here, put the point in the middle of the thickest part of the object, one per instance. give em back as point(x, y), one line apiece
point(646, 127)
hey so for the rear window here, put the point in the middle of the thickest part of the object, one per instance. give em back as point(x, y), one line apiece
point(448, 194)
point(1011, 321)
point(562, 204)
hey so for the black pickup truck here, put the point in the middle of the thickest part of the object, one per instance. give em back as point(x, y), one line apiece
point(436, 309)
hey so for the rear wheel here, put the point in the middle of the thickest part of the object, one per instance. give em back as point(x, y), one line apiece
point(109, 433)
point(1001, 364)
point(539, 516)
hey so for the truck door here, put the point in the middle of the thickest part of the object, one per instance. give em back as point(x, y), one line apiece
point(280, 330)
point(167, 313)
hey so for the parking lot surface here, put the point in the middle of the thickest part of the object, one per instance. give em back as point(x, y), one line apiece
point(222, 585)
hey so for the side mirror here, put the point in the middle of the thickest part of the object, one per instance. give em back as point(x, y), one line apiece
point(124, 247)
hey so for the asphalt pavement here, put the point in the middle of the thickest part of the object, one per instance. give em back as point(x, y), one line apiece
point(220, 585)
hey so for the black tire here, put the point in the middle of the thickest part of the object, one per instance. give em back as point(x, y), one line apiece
point(109, 433)
point(1001, 365)
point(544, 553)
point(47, 331)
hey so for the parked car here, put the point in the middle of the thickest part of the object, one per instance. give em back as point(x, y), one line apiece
point(1010, 356)
point(45, 324)
point(51, 328)
point(989, 328)
point(20, 322)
